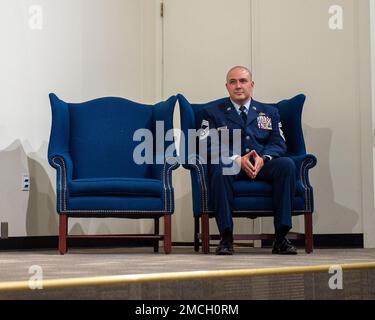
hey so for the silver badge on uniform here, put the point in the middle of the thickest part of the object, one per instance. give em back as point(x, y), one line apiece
point(281, 131)
point(204, 130)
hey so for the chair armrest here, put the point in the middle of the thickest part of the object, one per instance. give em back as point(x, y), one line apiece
point(64, 167)
point(170, 164)
point(62, 161)
point(303, 164)
point(199, 180)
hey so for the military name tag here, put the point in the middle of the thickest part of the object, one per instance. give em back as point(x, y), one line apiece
point(264, 122)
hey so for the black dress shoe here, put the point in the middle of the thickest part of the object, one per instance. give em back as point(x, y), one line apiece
point(283, 247)
point(224, 249)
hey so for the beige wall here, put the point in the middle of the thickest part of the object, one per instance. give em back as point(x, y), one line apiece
point(295, 51)
point(200, 45)
point(91, 48)
point(86, 49)
point(368, 214)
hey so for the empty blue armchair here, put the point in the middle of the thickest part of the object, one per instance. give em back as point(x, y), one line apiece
point(253, 198)
point(97, 148)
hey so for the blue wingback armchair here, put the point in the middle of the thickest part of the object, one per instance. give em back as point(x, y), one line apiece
point(253, 198)
point(91, 146)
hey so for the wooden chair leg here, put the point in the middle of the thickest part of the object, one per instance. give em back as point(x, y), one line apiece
point(205, 233)
point(63, 233)
point(309, 241)
point(196, 234)
point(167, 234)
point(156, 232)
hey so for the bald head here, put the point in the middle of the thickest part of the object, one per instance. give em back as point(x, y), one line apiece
point(241, 68)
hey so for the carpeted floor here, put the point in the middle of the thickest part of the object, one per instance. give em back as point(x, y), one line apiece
point(15, 266)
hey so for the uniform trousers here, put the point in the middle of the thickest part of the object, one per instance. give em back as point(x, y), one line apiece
point(280, 172)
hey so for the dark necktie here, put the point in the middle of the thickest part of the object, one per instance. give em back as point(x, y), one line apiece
point(243, 114)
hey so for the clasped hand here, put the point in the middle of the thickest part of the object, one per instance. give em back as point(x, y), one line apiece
point(252, 163)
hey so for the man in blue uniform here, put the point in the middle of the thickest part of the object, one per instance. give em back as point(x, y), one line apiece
point(261, 158)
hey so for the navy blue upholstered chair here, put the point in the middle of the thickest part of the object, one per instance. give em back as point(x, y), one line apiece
point(253, 198)
point(91, 147)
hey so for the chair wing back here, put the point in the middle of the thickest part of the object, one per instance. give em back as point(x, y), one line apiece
point(191, 118)
point(291, 118)
point(98, 135)
point(164, 147)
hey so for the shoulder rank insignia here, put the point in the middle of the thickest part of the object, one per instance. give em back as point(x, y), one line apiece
point(281, 131)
